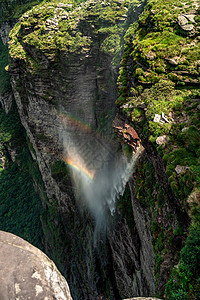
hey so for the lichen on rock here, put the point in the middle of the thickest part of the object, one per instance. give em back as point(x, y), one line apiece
point(27, 273)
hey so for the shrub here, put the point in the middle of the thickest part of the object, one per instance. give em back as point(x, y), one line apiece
point(184, 281)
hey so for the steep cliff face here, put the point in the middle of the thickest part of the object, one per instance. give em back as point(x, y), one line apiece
point(63, 73)
point(63, 65)
point(159, 95)
point(17, 169)
point(10, 11)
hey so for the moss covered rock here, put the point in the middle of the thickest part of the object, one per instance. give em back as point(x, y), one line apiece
point(159, 93)
point(160, 90)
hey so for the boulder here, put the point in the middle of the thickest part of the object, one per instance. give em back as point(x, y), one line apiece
point(160, 118)
point(180, 169)
point(191, 17)
point(172, 61)
point(188, 27)
point(162, 139)
point(142, 298)
point(182, 20)
point(157, 118)
point(27, 273)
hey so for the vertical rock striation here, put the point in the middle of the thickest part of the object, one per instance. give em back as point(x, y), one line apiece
point(63, 61)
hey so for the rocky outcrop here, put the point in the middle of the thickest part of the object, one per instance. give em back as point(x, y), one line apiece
point(187, 21)
point(6, 101)
point(142, 298)
point(27, 273)
point(149, 88)
point(5, 29)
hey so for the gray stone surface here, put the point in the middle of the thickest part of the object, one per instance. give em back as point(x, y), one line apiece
point(6, 101)
point(182, 20)
point(173, 62)
point(162, 140)
point(188, 27)
point(157, 118)
point(185, 20)
point(181, 169)
point(142, 298)
point(4, 31)
point(27, 273)
point(191, 17)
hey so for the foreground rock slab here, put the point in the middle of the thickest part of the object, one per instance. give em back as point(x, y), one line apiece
point(27, 273)
point(142, 298)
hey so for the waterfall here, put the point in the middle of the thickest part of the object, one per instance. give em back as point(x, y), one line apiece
point(99, 169)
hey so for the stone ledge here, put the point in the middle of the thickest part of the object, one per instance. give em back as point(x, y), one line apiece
point(142, 298)
point(27, 273)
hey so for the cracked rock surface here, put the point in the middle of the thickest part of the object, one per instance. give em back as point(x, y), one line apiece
point(27, 273)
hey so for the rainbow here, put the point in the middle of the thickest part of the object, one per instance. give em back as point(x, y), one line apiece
point(73, 121)
point(81, 169)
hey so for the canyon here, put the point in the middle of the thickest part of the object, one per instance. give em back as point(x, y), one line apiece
point(100, 103)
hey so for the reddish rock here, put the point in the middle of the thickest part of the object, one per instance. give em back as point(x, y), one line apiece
point(125, 131)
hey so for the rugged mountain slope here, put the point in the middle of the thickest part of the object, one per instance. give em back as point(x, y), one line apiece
point(159, 94)
point(63, 65)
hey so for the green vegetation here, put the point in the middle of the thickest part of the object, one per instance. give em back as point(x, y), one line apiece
point(59, 169)
point(153, 198)
point(159, 75)
point(164, 88)
point(184, 282)
point(70, 27)
point(11, 10)
point(20, 205)
point(160, 50)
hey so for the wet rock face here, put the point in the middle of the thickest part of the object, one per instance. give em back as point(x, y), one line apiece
point(27, 273)
point(79, 84)
point(133, 255)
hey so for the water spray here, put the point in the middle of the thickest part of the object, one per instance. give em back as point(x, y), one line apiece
point(100, 172)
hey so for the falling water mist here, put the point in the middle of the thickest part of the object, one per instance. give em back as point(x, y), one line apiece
point(99, 170)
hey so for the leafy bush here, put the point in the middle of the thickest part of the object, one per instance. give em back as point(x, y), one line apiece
point(20, 205)
point(184, 282)
point(190, 254)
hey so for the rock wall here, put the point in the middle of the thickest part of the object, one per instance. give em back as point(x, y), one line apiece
point(64, 61)
point(75, 75)
point(5, 29)
point(158, 96)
